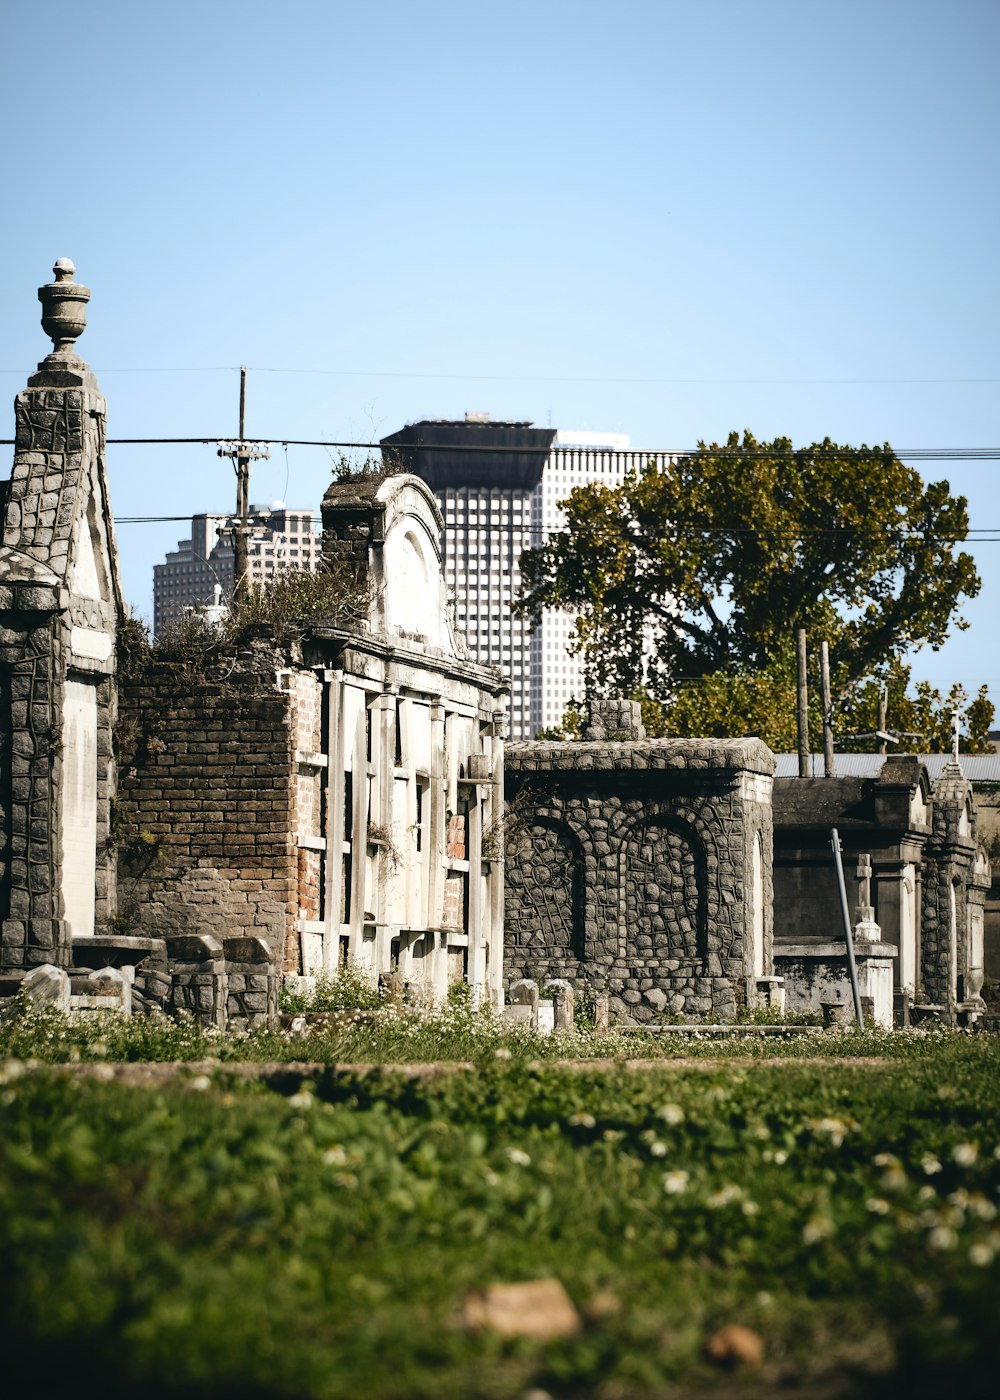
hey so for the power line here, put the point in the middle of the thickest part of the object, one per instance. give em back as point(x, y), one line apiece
point(923, 454)
point(527, 378)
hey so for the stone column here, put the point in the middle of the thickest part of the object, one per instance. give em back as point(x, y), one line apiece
point(59, 605)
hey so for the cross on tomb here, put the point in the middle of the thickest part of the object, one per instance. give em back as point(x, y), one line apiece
point(865, 881)
point(956, 726)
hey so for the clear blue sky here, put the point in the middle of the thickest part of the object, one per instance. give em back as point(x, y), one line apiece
point(590, 215)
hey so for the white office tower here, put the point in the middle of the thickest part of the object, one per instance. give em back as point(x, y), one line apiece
point(500, 486)
point(574, 460)
point(281, 538)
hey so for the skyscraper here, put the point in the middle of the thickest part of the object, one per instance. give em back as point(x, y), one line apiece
point(499, 486)
point(282, 537)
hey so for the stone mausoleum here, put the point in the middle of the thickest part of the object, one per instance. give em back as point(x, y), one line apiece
point(334, 797)
point(641, 868)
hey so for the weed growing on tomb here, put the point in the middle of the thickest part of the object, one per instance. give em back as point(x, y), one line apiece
point(281, 609)
point(322, 1241)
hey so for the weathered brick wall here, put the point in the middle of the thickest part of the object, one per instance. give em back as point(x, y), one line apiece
point(628, 870)
point(211, 777)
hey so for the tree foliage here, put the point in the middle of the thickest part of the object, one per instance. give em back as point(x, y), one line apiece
point(707, 569)
point(763, 702)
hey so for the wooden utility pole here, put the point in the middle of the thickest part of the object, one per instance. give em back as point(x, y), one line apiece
point(241, 562)
point(882, 720)
point(802, 686)
point(242, 454)
point(824, 680)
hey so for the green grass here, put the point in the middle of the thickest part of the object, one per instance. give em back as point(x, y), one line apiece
point(219, 1238)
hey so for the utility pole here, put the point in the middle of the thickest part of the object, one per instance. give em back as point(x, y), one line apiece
point(241, 560)
point(802, 686)
point(882, 720)
point(824, 680)
point(242, 453)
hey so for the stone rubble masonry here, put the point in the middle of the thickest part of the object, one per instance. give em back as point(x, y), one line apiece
point(56, 493)
point(214, 782)
point(953, 880)
point(629, 870)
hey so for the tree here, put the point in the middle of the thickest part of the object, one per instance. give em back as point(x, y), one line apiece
point(763, 703)
point(709, 568)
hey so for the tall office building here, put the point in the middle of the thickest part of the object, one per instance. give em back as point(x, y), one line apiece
point(281, 538)
point(500, 486)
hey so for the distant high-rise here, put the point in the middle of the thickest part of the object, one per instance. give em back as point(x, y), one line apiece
point(500, 486)
point(282, 538)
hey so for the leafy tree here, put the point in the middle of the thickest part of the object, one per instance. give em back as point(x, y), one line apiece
point(763, 703)
point(707, 570)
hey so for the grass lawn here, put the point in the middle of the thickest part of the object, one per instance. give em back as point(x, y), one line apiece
point(221, 1236)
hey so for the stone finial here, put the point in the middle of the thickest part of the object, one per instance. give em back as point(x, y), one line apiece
point(64, 310)
point(64, 319)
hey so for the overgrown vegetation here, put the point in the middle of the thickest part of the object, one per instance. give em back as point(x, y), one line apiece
point(218, 1238)
point(280, 609)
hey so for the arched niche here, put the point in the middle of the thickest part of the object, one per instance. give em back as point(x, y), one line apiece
point(545, 891)
point(665, 886)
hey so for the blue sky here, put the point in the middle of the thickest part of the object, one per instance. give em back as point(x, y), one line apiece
point(594, 216)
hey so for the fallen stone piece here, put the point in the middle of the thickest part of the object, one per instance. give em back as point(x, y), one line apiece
point(735, 1345)
point(540, 1309)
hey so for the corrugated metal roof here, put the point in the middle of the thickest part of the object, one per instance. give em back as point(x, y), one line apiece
point(978, 767)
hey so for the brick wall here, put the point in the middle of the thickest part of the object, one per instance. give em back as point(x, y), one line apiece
point(210, 776)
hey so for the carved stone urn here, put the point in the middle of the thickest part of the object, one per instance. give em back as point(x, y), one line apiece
point(974, 979)
point(64, 310)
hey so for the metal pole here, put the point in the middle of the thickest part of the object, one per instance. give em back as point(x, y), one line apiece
point(241, 563)
point(802, 686)
point(824, 680)
point(848, 930)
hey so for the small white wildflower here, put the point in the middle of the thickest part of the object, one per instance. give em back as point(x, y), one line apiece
point(303, 1099)
point(583, 1120)
point(200, 1083)
point(675, 1182)
point(672, 1114)
point(926, 1193)
point(657, 1149)
point(764, 1299)
point(518, 1158)
point(9, 1070)
point(723, 1197)
point(878, 1205)
point(929, 1164)
point(761, 1131)
point(750, 1208)
point(981, 1255)
point(817, 1228)
point(959, 1198)
point(982, 1208)
point(942, 1237)
point(885, 1159)
point(502, 1053)
point(833, 1128)
point(894, 1178)
point(335, 1156)
point(965, 1153)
